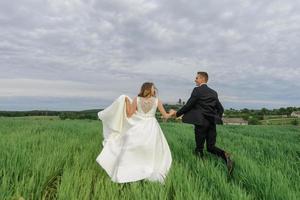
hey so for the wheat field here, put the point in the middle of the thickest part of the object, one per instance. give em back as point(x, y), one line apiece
point(48, 158)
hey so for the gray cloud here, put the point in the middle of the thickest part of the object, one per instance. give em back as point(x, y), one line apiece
point(249, 48)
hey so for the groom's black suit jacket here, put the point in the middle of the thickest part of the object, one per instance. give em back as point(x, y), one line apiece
point(203, 102)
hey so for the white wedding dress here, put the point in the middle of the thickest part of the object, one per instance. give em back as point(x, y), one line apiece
point(134, 148)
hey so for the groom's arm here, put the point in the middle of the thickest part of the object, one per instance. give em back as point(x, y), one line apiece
point(220, 109)
point(189, 104)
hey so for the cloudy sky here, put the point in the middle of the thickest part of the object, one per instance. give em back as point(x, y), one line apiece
point(81, 54)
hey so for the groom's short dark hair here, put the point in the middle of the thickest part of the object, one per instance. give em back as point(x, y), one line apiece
point(203, 74)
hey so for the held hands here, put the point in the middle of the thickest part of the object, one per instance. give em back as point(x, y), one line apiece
point(172, 113)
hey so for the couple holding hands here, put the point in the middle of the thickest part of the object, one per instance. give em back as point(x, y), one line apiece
point(134, 146)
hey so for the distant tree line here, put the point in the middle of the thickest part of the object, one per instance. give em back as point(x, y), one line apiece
point(261, 112)
point(29, 113)
point(253, 116)
point(85, 114)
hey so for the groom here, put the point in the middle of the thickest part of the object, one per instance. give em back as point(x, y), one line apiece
point(204, 110)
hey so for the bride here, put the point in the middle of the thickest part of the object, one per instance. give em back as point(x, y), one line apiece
point(134, 146)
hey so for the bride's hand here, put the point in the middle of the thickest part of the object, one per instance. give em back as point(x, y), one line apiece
point(172, 112)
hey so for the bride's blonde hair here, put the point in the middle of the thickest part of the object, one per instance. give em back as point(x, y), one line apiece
point(146, 90)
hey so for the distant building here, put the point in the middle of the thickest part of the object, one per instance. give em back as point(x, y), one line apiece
point(179, 101)
point(234, 121)
point(295, 114)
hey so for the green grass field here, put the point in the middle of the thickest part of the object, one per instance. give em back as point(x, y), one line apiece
point(55, 159)
point(279, 121)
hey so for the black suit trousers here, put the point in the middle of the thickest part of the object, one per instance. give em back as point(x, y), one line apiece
point(208, 133)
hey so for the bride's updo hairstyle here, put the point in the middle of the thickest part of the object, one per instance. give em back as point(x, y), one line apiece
point(146, 90)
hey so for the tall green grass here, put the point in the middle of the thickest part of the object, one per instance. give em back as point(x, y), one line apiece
point(54, 159)
point(279, 121)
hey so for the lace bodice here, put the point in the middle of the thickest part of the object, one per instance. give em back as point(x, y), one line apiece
point(147, 106)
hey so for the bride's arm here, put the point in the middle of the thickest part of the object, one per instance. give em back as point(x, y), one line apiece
point(130, 107)
point(163, 111)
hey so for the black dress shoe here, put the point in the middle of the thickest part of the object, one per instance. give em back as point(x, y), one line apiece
point(229, 163)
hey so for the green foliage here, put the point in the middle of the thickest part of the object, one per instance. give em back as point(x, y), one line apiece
point(85, 114)
point(89, 114)
point(279, 121)
point(55, 159)
point(260, 113)
point(253, 121)
point(29, 113)
point(295, 122)
point(245, 113)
